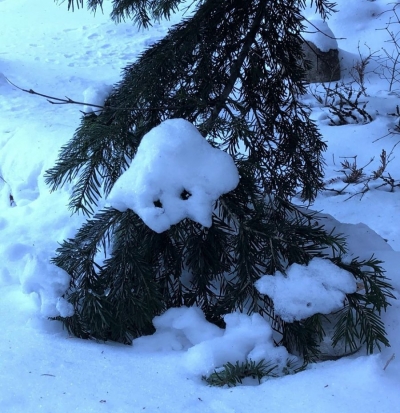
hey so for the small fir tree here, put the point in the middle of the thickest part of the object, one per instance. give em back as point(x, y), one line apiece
point(235, 69)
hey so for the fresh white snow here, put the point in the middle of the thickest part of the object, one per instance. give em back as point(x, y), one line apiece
point(305, 290)
point(175, 174)
point(206, 347)
point(42, 369)
point(95, 95)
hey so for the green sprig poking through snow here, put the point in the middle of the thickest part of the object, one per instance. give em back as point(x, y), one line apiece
point(233, 374)
point(359, 320)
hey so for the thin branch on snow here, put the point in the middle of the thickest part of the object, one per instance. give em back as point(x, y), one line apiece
point(64, 101)
point(54, 100)
point(389, 361)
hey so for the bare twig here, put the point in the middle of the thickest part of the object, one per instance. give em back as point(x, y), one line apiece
point(389, 361)
point(320, 31)
point(358, 71)
point(64, 101)
point(52, 99)
point(354, 175)
point(344, 102)
point(390, 61)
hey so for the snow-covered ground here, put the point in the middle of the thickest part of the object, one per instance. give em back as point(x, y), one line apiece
point(42, 369)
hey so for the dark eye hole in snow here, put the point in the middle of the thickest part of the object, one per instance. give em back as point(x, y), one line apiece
point(185, 194)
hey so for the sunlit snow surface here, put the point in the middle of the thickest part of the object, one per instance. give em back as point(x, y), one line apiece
point(42, 369)
point(175, 174)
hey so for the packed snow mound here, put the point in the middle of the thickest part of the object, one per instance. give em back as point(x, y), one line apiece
point(176, 174)
point(305, 290)
point(207, 346)
point(178, 329)
point(245, 338)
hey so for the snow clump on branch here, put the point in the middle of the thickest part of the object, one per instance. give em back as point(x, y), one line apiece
point(175, 174)
point(319, 287)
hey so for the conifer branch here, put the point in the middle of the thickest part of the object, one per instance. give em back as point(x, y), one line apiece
point(236, 67)
point(233, 374)
point(221, 69)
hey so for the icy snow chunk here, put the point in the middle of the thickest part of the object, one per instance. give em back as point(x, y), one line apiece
point(176, 174)
point(245, 338)
point(319, 287)
point(318, 32)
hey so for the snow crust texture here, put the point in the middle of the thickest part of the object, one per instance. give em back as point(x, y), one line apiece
point(176, 174)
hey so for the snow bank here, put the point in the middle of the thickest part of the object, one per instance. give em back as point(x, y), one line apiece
point(33, 225)
point(176, 174)
point(304, 291)
point(361, 240)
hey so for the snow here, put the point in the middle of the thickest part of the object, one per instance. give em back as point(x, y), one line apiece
point(95, 95)
point(176, 174)
point(42, 368)
point(318, 32)
point(206, 347)
point(305, 290)
point(179, 329)
point(48, 281)
point(245, 338)
point(64, 308)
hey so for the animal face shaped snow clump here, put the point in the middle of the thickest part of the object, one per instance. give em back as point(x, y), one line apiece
point(176, 174)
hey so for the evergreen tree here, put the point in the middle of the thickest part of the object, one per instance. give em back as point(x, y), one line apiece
point(235, 69)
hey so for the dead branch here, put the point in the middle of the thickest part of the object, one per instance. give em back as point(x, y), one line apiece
point(64, 101)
